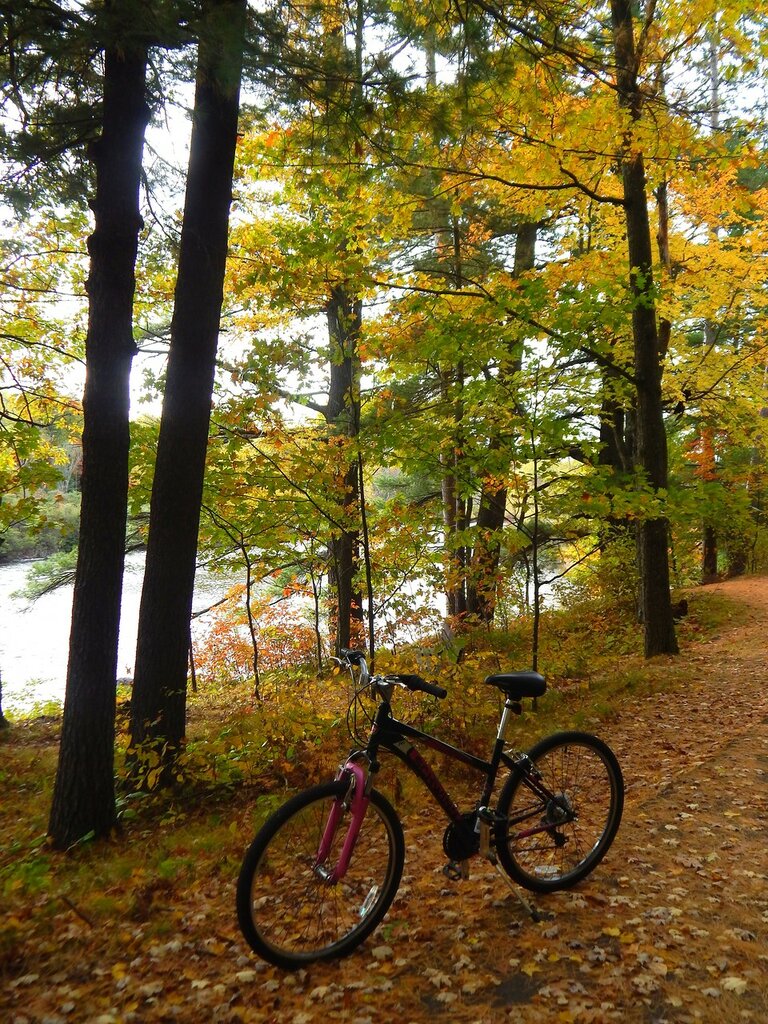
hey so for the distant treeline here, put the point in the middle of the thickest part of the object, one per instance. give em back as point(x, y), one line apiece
point(55, 531)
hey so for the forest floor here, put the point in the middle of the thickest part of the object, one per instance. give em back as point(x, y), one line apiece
point(672, 927)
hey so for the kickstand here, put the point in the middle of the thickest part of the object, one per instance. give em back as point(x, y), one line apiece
point(528, 907)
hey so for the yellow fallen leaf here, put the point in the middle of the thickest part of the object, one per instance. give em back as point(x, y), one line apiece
point(530, 968)
point(734, 984)
point(614, 932)
point(245, 977)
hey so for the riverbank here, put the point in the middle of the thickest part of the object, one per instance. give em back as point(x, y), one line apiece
point(57, 531)
point(34, 634)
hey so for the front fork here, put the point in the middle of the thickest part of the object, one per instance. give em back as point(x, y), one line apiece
point(356, 801)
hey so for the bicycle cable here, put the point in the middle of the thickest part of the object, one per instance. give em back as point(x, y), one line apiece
point(357, 714)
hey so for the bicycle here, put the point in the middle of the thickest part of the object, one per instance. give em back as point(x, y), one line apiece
point(324, 869)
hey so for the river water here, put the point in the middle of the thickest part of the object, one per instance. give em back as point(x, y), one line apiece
point(34, 635)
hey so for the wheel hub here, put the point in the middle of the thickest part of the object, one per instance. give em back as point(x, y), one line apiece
point(559, 810)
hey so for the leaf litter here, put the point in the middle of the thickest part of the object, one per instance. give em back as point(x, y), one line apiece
point(672, 928)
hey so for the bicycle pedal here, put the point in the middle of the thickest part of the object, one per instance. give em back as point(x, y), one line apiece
point(455, 871)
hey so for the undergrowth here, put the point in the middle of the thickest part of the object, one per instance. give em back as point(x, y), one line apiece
point(244, 757)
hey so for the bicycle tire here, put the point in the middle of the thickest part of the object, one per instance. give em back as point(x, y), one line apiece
point(586, 777)
point(289, 915)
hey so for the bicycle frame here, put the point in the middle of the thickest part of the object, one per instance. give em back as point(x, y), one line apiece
point(395, 736)
point(390, 734)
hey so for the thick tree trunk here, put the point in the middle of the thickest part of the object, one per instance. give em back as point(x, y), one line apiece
point(158, 705)
point(651, 439)
point(84, 798)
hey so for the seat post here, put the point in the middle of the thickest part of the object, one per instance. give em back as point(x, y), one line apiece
point(511, 707)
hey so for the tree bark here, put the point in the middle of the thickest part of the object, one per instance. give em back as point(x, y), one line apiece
point(344, 318)
point(455, 518)
point(158, 705)
point(651, 439)
point(342, 412)
point(84, 797)
point(4, 723)
point(709, 555)
point(483, 578)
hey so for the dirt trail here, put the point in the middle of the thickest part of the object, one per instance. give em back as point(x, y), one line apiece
point(673, 926)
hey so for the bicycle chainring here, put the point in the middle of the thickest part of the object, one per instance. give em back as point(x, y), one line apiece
point(460, 840)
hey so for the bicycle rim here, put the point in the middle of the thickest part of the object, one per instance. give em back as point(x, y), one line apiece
point(289, 913)
point(554, 841)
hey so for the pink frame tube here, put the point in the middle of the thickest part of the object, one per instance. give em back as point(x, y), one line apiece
point(358, 808)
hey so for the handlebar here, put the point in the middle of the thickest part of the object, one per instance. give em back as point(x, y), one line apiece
point(410, 681)
point(414, 682)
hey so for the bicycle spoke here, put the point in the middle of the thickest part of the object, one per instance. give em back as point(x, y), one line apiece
point(291, 914)
point(579, 788)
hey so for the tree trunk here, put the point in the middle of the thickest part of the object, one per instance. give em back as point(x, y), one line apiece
point(738, 556)
point(709, 555)
point(4, 723)
point(454, 506)
point(709, 467)
point(316, 620)
point(344, 316)
point(613, 424)
point(483, 580)
point(158, 705)
point(84, 797)
point(616, 454)
point(651, 440)
point(455, 512)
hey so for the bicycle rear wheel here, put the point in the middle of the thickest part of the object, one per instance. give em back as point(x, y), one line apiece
point(562, 817)
point(288, 911)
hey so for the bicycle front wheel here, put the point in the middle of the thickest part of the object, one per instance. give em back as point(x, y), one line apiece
point(561, 816)
point(288, 910)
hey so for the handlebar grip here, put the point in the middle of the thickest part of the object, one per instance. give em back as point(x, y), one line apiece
point(414, 682)
point(434, 689)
